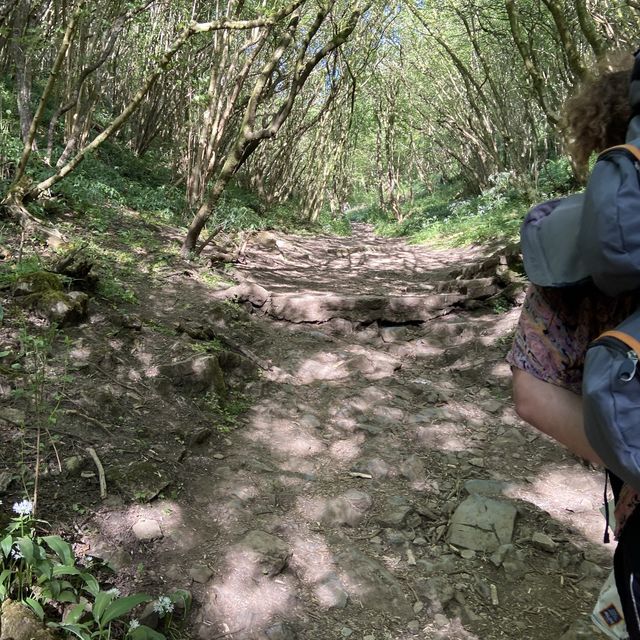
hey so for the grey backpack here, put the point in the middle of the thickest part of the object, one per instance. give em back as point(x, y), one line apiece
point(611, 399)
point(609, 236)
point(594, 235)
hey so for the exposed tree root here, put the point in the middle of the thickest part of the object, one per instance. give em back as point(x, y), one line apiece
point(12, 207)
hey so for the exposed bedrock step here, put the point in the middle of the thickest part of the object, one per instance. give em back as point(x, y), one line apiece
point(366, 308)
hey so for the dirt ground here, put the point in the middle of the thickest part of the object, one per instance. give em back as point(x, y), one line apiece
point(292, 446)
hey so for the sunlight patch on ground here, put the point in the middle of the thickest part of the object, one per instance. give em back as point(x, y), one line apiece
point(282, 436)
point(311, 508)
point(118, 524)
point(347, 450)
point(443, 436)
point(581, 492)
point(244, 598)
point(313, 563)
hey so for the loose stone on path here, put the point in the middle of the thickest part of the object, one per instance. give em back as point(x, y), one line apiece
point(482, 524)
point(147, 530)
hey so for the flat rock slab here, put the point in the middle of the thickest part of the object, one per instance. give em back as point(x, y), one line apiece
point(368, 308)
point(482, 524)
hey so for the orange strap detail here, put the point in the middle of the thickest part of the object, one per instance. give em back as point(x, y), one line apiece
point(630, 341)
point(631, 148)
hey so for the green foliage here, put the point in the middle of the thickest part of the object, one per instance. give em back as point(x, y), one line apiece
point(332, 225)
point(228, 409)
point(496, 214)
point(10, 141)
point(115, 178)
point(14, 271)
point(43, 573)
point(556, 177)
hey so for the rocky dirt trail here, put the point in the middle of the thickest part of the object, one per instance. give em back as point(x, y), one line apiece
point(379, 485)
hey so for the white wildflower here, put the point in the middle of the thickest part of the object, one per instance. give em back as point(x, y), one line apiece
point(163, 605)
point(134, 624)
point(114, 592)
point(24, 508)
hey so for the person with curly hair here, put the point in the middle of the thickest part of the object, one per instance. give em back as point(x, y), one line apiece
point(556, 326)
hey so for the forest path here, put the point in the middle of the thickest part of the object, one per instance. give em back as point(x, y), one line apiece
point(376, 478)
point(372, 482)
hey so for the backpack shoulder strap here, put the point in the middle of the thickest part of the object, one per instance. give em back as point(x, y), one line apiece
point(630, 341)
point(631, 148)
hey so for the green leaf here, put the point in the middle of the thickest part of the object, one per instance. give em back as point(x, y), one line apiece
point(52, 590)
point(67, 596)
point(80, 631)
point(103, 600)
point(181, 597)
point(74, 614)
point(123, 605)
point(145, 633)
point(44, 569)
point(36, 607)
point(5, 545)
point(91, 584)
point(27, 548)
point(65, 570)
point(61, 548)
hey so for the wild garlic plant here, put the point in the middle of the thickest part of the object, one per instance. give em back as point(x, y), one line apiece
point(43, 573)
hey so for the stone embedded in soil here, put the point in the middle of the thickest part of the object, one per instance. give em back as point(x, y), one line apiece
point(395, 515)
point(375, 467)
point(114, 556)
point(349, 509)
point(492, 406)
point(17, 622)
point(12, 416)
point(394, 334)
point(147, 530)
point(361, 308)
point(270, 552)
point(436, 593)
point(149, 616)
point(279, 631)
point(372, 586)
point(246, 292)
point(413, 469)
point(544, 542)
point(195, 375)
point(142, 480)
point(200, 573)
point(499, 555)
point(482, 524)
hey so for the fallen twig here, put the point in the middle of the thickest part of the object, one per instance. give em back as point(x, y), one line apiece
point(103, 483)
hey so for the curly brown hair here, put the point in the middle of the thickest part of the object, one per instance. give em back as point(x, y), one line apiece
point(597, 115)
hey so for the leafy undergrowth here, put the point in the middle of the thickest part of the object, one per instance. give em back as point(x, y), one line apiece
point(43, 573)
point(447, 218)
